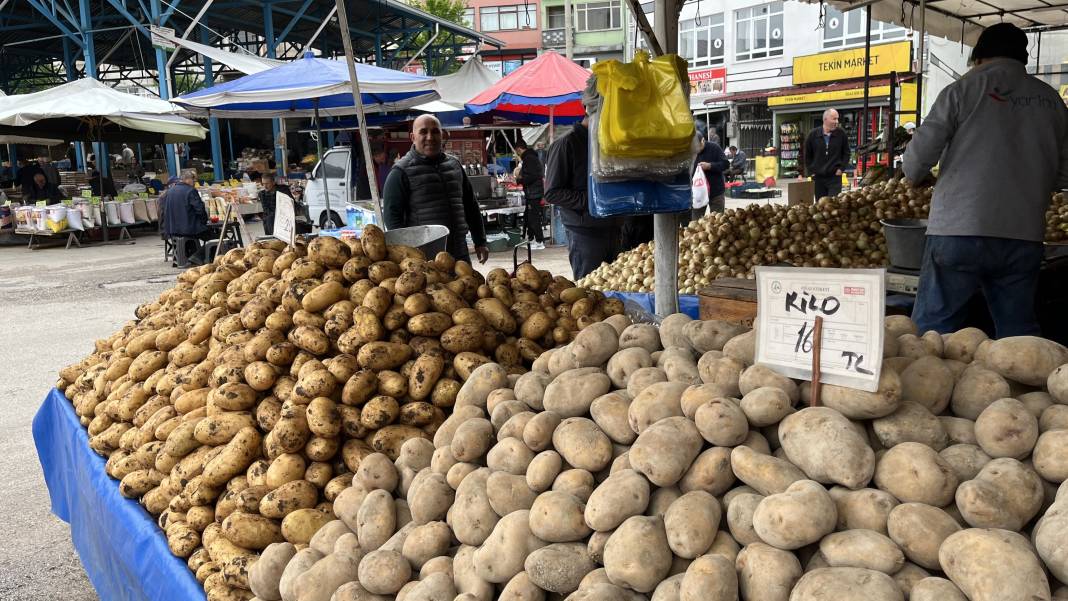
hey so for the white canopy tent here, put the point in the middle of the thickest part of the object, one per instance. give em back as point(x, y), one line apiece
point(457, 88)
point(238, 61)
point(12, 139)
point(89, 110)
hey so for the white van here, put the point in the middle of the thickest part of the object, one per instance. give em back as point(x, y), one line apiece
point(331, 178)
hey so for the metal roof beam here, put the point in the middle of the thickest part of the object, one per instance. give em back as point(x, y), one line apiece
point(117, 5)
point(293, 22)
point(41, 8)
point(172, 5)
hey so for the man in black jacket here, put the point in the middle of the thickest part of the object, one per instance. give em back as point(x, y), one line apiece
point(827, 155)
point(429, 187)
point(590, 241)
point(185, 215)
point(531, 176)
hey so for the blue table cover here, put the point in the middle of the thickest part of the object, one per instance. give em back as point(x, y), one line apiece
point(122, 550)
point(688, 303)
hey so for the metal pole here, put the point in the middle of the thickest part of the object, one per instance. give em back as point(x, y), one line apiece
point(164, 88)
point(891, 117)
point(319, 148)
point(666, 225)
point(919, 76)
point(569, 50)
point(346, 39)
point(867, 87)
point(320, 29)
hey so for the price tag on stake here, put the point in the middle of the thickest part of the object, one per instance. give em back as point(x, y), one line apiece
point(851, 303)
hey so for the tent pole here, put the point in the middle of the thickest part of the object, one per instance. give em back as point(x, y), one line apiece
point(863, 129)
point(666, 225)
point(919, 77)
point(552, 126)
point(346, 39)
point(319, 148)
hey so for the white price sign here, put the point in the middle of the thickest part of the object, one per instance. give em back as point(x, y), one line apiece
point(853, 307)
point(285, 220)
point(162, 36)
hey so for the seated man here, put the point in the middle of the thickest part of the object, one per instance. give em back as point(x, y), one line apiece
point(43, 189)
point(737, 158)
point(184, 215)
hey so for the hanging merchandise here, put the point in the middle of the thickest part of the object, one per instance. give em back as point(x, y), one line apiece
point(640, 196)
point(646, 113)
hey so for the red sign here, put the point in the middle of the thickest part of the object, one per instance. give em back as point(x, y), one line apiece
point(708, 81)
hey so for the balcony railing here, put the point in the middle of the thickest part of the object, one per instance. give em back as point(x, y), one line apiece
point(553, 38)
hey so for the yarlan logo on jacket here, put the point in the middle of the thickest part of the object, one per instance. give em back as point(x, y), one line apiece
point(1018, 102)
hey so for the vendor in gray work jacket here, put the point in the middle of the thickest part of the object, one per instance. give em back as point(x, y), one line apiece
point(429, 187)
point(988, 211)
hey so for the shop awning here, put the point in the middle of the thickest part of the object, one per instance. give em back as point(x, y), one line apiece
point(837, 90)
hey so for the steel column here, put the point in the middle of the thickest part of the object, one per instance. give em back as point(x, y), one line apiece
point(164, 91)
point(919, 77)
point(666, 225)
point(213, 122)
point(276, 124)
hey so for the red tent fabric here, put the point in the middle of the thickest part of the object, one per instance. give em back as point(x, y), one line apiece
point(548, 82)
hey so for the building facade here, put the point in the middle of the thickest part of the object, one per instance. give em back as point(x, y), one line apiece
point(598, 29)
point(748, 50)
point(517, 24)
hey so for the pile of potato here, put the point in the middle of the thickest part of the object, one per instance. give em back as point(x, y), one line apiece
point(843, 231)
point(243, 400)
point(659, 463)
point(1057, 220)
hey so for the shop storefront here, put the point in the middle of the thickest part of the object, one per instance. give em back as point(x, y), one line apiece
point(705, 83)
point(835, 80)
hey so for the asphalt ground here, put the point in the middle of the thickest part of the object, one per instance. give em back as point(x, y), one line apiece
point(54, 303)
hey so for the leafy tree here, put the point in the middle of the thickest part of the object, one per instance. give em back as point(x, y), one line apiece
point(439, 57)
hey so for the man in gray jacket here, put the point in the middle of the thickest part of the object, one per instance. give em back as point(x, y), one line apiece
point(1001, 136)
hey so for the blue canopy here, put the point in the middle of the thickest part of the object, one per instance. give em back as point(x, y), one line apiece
point(296, 88)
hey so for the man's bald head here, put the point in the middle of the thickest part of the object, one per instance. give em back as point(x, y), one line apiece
point(830, 120)
point(427, 136)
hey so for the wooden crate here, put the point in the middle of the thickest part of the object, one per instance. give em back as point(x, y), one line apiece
point(729, 299)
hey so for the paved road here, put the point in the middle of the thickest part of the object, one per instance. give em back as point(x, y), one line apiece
point(54, 304)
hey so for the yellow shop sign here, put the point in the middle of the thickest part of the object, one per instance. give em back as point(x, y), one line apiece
point(815, 97)
point(849, 64)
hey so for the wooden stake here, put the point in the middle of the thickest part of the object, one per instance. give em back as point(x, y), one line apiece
point(817, 343)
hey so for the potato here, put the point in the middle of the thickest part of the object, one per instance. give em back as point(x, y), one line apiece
point(1051, 456)
point(236, 456)
point(502, 556)
point(976, 389)
point(1025, 359)
point(824, 444)
point(508, 493)
point(1004, 494)
point(758, 376)
point(765, 572)
point(929, 382)
point(380, 356)
point(559, 567)
point(862, 549)
point(912, 422)
point(913, 472)
point(1006, 429)
point(846, 583)
point(765, 473)
point(265, 575)
point(328, 574)
point(722, 371)
point(557, 517)
point(595, 345)
point(481, 382)
point(572, 392)
point(299, 526)
point(472, 517)
point(711, 335)
point(720, 421)
point(250, 531)
point(1017, 573)
point(691, 523)
point(801, 515)
point(643, 378)
point(654, 403)
point(582, 444)
point(291, 496)
point(766, 405)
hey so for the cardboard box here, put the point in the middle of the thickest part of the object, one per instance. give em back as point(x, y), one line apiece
point(802, 192)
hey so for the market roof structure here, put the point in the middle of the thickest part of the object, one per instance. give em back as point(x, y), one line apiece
point(962, 20)
point(47, 42)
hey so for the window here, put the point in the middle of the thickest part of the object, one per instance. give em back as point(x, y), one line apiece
point(508, 18)
point(469, 17)
point(335, 164)
point(598, 16)
point(842, 30)
point(758, 32)
point(554, 17)
point(701, 40)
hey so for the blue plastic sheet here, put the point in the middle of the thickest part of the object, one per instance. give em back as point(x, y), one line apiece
point(122, 550)
point(688, 303)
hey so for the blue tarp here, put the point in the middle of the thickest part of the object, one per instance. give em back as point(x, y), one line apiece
point(297, 88)
point(122, 550)
point(688, 303)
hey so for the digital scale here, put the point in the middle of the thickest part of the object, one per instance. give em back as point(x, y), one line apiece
point(902, 281)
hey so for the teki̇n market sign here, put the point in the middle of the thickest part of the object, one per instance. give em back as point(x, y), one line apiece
point(849, 64)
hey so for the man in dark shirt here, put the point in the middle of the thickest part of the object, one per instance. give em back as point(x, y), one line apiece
point(429, 187)
point(738, 159)
point(267, 200)
point(713, 163)
point(590, 241)
point(531, 176)
point(826, 154)
point(26, 174)
point(185, 215)
point(43, 189)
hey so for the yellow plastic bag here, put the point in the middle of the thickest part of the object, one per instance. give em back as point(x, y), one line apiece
point(645, 112)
